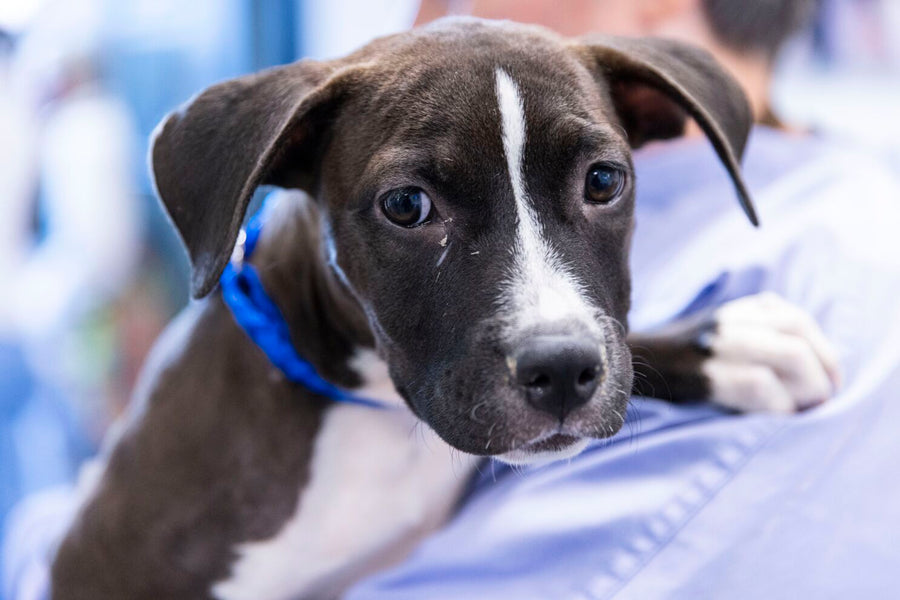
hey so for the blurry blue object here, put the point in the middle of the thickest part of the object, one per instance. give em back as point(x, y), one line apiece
point(15, 386)
point(689, 501)
point(41, 441)
point(40, 438)
point(160, 53)
point(163, 52)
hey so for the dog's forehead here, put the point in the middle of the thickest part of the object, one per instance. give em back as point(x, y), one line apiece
point(432, 95)
point(447, 71)
point(464, 40)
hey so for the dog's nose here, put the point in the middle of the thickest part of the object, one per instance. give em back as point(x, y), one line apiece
point(559, 373)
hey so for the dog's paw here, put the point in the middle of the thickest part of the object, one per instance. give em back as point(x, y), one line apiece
point(767, 354)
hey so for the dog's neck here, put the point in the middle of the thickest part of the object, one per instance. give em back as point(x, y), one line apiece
point(327, 325)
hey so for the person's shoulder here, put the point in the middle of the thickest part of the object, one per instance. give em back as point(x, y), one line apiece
point(771, 148)
point(818, 168)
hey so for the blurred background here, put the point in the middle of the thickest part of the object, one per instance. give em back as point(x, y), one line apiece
point(90, 270)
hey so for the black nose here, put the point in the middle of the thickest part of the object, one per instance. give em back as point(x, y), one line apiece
point(559, 373)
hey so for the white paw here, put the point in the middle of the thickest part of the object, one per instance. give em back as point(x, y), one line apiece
point(769, 355)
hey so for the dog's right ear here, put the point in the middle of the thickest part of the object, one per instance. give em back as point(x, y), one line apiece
point(209, 157)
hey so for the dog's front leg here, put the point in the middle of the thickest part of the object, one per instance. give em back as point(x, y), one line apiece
point(757, 353)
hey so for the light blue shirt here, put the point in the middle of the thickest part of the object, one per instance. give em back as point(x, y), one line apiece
point(690, 501)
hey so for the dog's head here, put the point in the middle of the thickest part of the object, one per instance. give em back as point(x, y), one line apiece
point(477, 188)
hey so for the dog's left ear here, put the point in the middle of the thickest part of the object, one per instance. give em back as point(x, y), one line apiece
point(655, 83)
point(209, 157)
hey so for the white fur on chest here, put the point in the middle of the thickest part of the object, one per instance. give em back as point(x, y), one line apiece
point(378, 483)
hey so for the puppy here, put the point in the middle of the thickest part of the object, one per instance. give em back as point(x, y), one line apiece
point(456, 245)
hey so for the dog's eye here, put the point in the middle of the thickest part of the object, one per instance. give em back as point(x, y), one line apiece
point(604, 184)
point(407, 207)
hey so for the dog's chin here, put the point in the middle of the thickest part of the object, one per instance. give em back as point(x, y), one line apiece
point(550, 449)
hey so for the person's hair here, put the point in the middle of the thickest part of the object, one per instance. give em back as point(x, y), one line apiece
point(760, 26)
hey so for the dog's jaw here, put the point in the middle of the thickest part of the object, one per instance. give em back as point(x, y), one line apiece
point(377, 385)
point(537, 458)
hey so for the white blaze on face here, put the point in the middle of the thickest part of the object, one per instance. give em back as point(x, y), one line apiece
point(540, 290)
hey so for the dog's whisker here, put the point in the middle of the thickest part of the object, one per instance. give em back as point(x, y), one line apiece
point(473, 414)
point(640, 363)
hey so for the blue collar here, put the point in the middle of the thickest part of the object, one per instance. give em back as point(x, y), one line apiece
point(260, 318)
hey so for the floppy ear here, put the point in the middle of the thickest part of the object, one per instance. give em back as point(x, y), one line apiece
point(209, 157)
point(655, 83)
